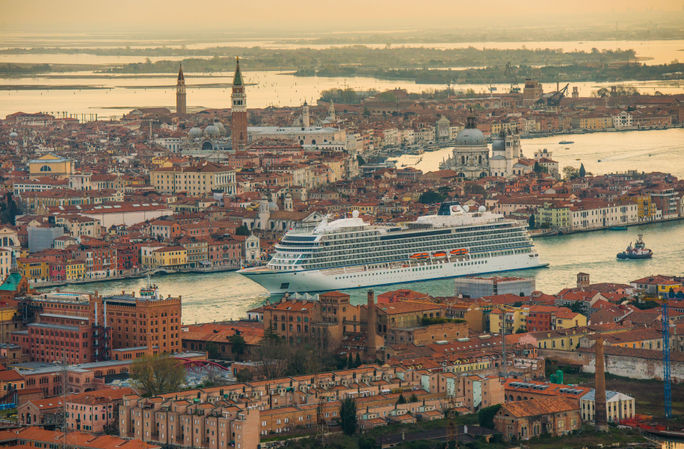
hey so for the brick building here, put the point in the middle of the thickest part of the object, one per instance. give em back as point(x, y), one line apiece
point(531, 418)
point(92, 411)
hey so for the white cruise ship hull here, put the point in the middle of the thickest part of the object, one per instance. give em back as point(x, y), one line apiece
point(278, 282)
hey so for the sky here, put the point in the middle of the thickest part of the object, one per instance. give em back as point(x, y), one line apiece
point(195, 16)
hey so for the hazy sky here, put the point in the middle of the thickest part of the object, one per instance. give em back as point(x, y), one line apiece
point(193, 16)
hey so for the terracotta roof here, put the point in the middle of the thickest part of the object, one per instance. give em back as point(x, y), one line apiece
point(78, 439)
point(397, 308)
point(537, 407)
point(10, 375)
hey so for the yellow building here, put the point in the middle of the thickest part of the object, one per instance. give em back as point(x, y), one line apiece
point(560, 339)
point(7, 322)
point(646, 209)
point(170, 257)
point(75, 270)
point(516, 318)
point(197, 180)
point(34, 270)
point(550, 216)
point(568, 320)
point(596, 122)
point(665, 287)
point(51, 165)
point(497, 127)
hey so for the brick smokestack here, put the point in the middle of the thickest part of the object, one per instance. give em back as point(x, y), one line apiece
point(372, 326)
point(600, 417)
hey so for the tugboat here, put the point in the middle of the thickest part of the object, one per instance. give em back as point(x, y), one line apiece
point(639, 251)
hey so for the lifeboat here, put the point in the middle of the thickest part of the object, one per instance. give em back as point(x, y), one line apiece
point(420, 256)
point(439, 254)
point(458, 252)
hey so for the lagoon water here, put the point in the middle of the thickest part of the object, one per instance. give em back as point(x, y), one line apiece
point(601, 153)
point(87, 92)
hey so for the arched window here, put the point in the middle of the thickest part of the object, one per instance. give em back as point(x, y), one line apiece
point(45, 168)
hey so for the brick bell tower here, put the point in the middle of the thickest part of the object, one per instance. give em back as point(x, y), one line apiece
point(180, 92)
point(239, 110)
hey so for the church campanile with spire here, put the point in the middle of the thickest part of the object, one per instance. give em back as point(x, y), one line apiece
point(180, 92)
point(239, 110)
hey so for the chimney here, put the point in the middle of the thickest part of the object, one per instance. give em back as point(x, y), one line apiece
point(371, 326)
point(600, 417)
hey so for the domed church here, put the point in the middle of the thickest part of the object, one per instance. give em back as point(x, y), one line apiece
point(470, 157)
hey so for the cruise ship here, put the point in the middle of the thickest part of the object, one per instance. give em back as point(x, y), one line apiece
point(350, 253)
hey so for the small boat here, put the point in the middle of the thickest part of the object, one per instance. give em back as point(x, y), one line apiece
point(638, 251)
point(439, 254)
point(566, 142)
point(617, 228)
point(458, 252)
point(420, 256)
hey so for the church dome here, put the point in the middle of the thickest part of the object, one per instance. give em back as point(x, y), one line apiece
point(499, 144)
point(211, 131)
point(470, 137)
point(221, 128)
point(195, 132)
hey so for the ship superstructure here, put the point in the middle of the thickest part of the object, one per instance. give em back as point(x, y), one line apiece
point(350, 253)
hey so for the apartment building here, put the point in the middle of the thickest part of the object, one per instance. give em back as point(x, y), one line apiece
point(194, 180)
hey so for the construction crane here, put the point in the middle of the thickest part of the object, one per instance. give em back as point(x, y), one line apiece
point(509, 73)
point(553, 98)
point(666, 361)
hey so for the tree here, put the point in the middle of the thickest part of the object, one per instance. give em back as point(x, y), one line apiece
point(367, 443)
point(237, 346)
point(531, 221)
point(472, 188)
point(272, 353)
point(350, 361)
point(244, 375)
point(430, 197)
point(413, 398)
point(157, 374)
point(577, 307)
point(570, 172)
point(357, 361)
point(401, 399)
point(582, 171)
point(348, 416)
point(242, 230)
point(485, 417)
point(9, 210)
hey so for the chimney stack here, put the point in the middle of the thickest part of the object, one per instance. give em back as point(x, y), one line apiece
point(371, 327)
point(600, 417)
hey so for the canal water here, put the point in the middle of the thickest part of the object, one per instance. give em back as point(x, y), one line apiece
point(601, 153)
point(223, 296)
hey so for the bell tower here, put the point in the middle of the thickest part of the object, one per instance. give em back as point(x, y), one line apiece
point(238, 110)
point(180, 92)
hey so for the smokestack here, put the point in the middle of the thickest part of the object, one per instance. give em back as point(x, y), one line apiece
point(371, 326)
point(600, 417)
